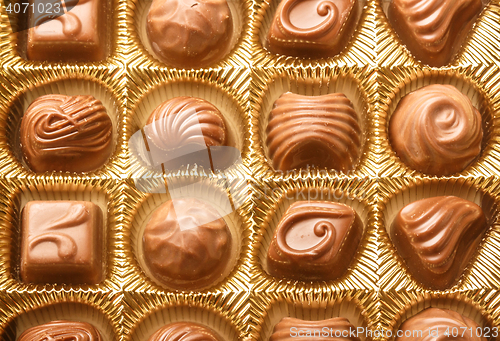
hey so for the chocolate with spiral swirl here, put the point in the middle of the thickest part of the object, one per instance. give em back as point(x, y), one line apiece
point(66, 133)
point(185, 331)
point(312, 28)
point(315, 240)
point(62, 330)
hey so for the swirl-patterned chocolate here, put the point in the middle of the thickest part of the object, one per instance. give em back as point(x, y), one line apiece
point(66, 133)
point(311, 28)
point(61, 330)
point(433, 323)
point(313, 131)
point(190, 33)
point(337, 328)
point(186, 244)
point(185, 331)
point(437, 236)
point(314, 240)
point(436, 130)
point(433, 30)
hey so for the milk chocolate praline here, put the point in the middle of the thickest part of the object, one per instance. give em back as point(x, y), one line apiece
point(61, 330)
point(314, 240)
point(433, 30)
point(186, 244)
point(436, 130)
point(190, 33)
point(436, 237)
point(185, 331)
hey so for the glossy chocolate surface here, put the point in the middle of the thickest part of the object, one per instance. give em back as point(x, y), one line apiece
point(436, 130)
point(434, 319)
point(436, 237)
point(185, 331)
point(190, 33)
point(61, 330)
point(312, 28)
point(80, 34)
point(66, 133)
point(290, 328)
point(313, 131)
point(433, 30)
point(62, 242)
point(314, 240)
point(186, 244)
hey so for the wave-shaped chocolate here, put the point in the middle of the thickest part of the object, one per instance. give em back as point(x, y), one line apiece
point(432, 324)
point(433, 30)
point(190, 33)
point(436, 130)
point(337, 328)
point(312, 28)
point(61, 330)
point(185, 331)
point(66, 133)
point(186, 244)
point(437, 236)
point(314, 240)
point(313, 131)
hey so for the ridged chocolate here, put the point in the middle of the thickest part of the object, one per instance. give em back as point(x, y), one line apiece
point(190, 33)
point(314, 240)
point(436, 130)
point(337, 328)
point(312, 28)
point(186, 246)
point(436, 238)
point(313, 131)
point(61, 330)
point(432, 324)
point(185, 331)
point(433, 30)
point(66, 133)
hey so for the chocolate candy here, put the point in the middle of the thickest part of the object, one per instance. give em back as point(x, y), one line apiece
point(80, 34)
point(315, 240)
point(186, 244)
point(436, 237)
point(433, 323)
point(180, 331)
point(313, 131)
point(337, 328)
point(61, 330)
point(66, 133)
point(433, 30)
point(190, 33)
point(312, 28)
point(436, 130)
point(62, 242)
point(179, 131)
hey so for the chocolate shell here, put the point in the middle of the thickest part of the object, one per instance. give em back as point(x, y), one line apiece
point(314, 240)
point(185, 331)
point(187, 246)
point(432, 324)
point(436, 237)
point(66, 133)
point(433, 30)
point(312, 28)
point(337, 328)
point(436, 130)
point(61, 330)
point(190, 33)
point(313, 131)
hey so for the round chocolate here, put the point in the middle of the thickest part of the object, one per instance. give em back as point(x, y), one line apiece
point(61, 330)
point(66, 133)
point(436, 130)
point(186, 244)
point(185, 331)
point(190, 33)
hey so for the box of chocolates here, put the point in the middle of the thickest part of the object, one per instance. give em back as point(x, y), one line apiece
point(254, 170)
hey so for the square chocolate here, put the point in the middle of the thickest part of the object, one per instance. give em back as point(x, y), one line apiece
point(77, 35)
point(62, 242)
